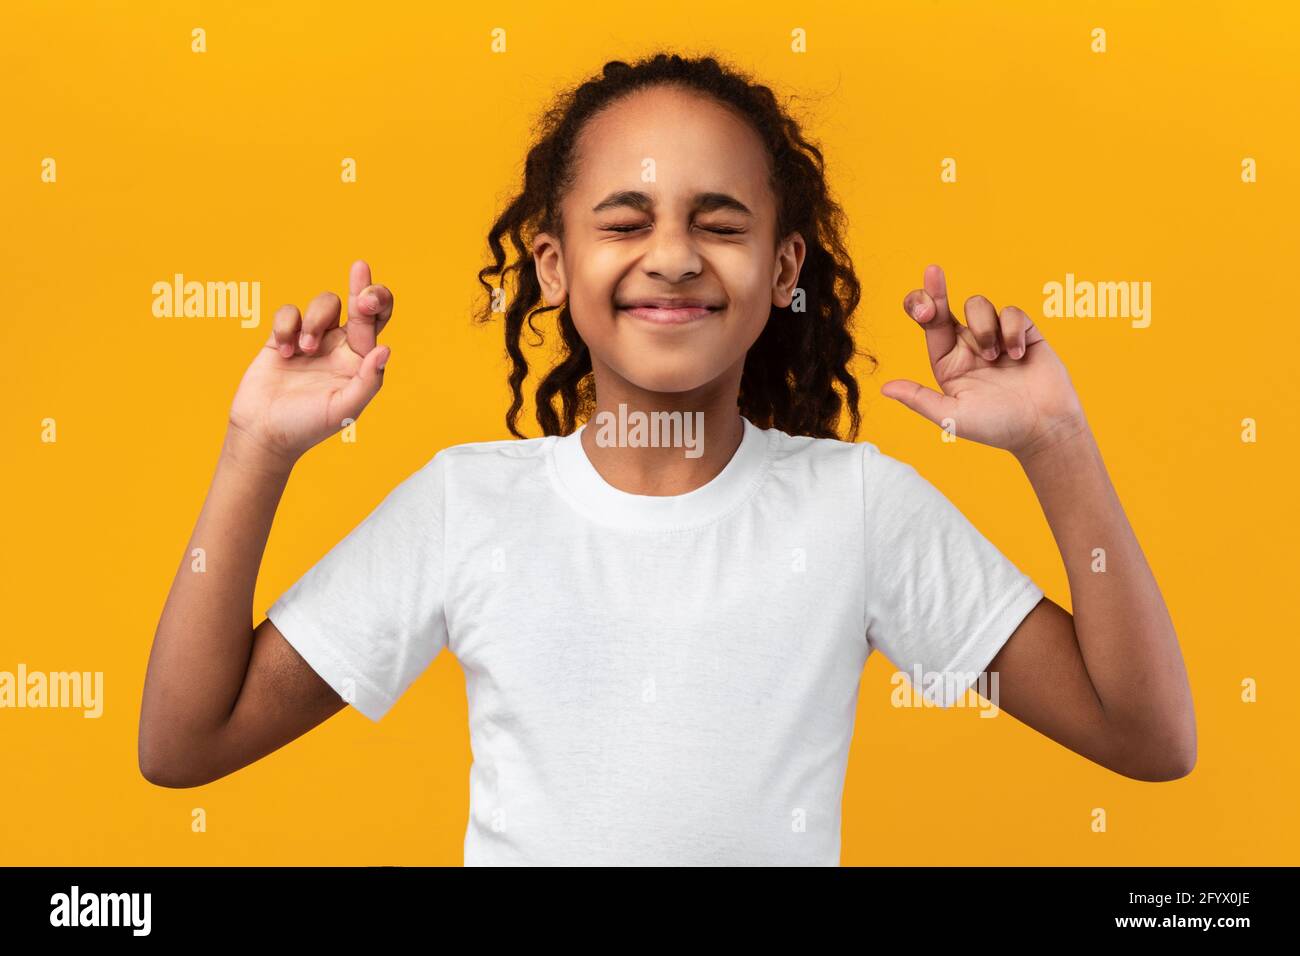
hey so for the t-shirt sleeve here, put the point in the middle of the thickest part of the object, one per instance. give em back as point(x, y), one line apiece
point(368, 616)
point(941, 599)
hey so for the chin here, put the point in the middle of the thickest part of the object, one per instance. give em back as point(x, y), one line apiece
point(670, 375)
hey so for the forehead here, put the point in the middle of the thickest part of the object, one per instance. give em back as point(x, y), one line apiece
point(696, 145)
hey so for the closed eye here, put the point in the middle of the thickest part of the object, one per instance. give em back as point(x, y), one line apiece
point(720, 230)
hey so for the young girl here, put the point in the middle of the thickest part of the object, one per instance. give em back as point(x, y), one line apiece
point(663, 614)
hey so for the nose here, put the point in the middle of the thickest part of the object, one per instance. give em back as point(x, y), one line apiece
point(671, 254)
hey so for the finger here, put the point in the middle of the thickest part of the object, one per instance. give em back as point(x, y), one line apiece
point(1033, 334)
point(936, 285)
point(1013, 323)
point(918, 304)
point(371, 308)
point(362, 387)
point(940, 330)
point(926, 402)
point(982, 319)
point(361, 334)
point(284, 330)
point(358, 276)
point(322, 315)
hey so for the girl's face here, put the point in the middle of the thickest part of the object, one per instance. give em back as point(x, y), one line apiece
point(669, 262)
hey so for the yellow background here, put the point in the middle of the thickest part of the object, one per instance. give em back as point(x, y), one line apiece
point(225, 166)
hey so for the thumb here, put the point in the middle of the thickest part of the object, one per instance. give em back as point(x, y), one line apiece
point(365, 385)
point(926, 402)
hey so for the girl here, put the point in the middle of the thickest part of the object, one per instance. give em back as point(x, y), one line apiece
point(663, 613)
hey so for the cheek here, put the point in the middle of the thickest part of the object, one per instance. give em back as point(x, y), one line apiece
point(749, 286)
point(593, 279)
point(589, 304)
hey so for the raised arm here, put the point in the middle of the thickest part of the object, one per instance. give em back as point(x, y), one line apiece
point(218, 693)
point(1109, 681)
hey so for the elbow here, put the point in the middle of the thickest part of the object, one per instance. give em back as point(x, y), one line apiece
point(164, 775)
point(157, 765)
point(1161, 756)
point(161, 773)
point(1169, 766)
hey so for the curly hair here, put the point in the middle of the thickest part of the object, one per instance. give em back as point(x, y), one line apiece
point(795, 370)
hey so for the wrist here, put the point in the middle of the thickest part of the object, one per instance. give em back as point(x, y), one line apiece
point(1059, 442)
point(248, 454)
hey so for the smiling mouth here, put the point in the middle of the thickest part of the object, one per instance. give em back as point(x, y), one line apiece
point(670, 315)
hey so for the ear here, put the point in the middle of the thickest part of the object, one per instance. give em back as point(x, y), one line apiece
point(548, 260)
point(789, 261)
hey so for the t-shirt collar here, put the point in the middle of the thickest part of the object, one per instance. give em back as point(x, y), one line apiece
point(579, 481)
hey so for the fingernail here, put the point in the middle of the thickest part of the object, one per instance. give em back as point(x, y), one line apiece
point(286, 350)
point(370, 301)
point(306, 341)
point(1017, 352)
point(991, 354)
point(383, 361)
point(917, 310)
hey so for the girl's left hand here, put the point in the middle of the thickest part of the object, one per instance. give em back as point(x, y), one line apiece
point(1016, 396)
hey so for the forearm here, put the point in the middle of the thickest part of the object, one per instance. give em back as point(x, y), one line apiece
point(1124, 630)
point(204, 638)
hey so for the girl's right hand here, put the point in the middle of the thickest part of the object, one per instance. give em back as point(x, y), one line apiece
point(313, 374)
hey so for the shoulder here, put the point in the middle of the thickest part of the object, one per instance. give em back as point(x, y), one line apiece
point(472, 470)
point(487, 465)
point(879, 476)
point(879, 468)
point(823, 470)
point(818, 455)
point(803, 451)
point(493, 452)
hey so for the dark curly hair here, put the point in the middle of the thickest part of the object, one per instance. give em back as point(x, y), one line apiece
point(792, 371)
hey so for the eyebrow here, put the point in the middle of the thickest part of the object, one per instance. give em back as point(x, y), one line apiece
point(703, 202)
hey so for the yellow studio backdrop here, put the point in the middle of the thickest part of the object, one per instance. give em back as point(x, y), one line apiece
point(130, 156)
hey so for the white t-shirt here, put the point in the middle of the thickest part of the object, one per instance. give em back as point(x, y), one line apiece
point(656, 680)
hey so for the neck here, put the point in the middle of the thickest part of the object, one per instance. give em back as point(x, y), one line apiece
point(620, 446)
